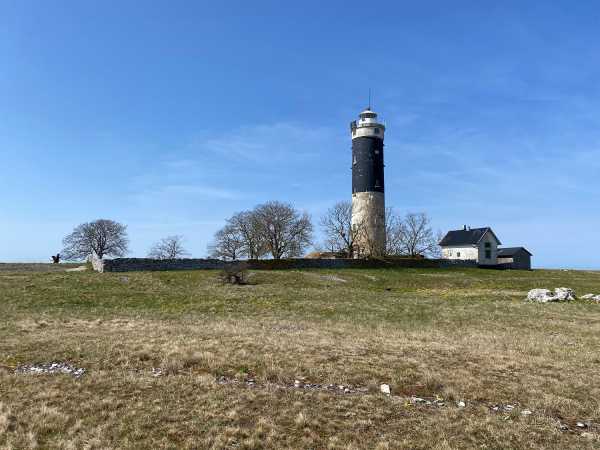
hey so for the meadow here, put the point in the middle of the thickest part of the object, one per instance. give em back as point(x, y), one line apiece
point(179, 360)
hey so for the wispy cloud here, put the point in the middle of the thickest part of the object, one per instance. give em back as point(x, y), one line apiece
point(264, 143)
point(201, 191)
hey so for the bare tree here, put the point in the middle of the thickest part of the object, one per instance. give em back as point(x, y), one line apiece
point(170, 247)
point(286, 231)
point(340, 235)
point(393, 233)
point(247, 225)
point(228, 244)
point(413, 236)
point(100, 238)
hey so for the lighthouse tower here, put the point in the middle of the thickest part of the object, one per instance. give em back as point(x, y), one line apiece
point(368, 195)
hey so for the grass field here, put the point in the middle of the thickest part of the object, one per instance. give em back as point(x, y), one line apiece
point(452, 335)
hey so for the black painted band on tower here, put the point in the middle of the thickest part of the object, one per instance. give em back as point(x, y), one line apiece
point(367, 164)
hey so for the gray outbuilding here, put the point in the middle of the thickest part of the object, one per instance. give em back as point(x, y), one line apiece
point(515, 258)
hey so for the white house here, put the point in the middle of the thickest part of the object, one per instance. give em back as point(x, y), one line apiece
point(471, 244)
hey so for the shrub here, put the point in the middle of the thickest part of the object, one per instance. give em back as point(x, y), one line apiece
point(235, 273)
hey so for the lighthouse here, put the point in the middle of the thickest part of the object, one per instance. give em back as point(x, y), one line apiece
point(368, 193)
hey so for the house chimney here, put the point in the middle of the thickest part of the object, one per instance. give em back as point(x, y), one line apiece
point(465, 228)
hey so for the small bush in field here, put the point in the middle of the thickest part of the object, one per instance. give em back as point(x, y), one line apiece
point(235, 273)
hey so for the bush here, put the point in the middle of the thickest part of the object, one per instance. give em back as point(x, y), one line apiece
point(235, 273)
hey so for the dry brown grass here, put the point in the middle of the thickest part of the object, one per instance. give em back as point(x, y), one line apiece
point(463, 337)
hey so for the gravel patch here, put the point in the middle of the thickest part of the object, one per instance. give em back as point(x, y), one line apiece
point(50, 368)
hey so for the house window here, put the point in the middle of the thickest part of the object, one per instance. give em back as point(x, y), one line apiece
point(458, 254)
point(488, 250)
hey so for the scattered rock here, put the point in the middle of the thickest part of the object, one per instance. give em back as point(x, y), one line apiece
point(333, 278)
point(385, 389)
point(77, 269)
point(540, 295)
point(525, 412)
point(581, 425)
point(545, 295)
point(564, 427)
point(588, 435)
point(157, 372)
point(587, 296)
point(564, 294)
point(461, 404)
point(51, 368)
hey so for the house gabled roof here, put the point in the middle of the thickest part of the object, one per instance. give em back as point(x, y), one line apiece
point(511, 251)
point(470, 236)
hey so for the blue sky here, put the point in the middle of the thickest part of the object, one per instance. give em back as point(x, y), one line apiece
point(170, 116)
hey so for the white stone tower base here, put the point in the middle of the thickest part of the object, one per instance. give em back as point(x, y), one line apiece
point(368, 223)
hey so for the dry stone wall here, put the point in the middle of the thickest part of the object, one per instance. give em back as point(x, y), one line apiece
point(147, 264)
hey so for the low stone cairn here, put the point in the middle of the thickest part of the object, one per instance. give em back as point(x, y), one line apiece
point(561, 294)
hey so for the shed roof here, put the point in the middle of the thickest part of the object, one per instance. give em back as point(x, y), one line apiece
point(511, 251)
point(470, 236)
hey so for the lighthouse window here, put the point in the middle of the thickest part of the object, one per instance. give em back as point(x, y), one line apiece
point(376, 130)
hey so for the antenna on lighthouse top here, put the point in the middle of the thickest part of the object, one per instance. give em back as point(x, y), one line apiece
point(369, 108)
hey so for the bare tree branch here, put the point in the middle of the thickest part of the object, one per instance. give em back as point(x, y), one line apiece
point(101, 238)
point(247, 226)
point(286, 231)
point(228, 244)
point(170, 247)
point(412, 236)
point(340, 235)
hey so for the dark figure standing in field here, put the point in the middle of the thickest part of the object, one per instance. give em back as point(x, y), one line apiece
point(56, 259)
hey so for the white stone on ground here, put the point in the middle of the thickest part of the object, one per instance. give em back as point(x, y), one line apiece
point(51, 368)
point(385, 388)
point(545, 295)
point(564, 294)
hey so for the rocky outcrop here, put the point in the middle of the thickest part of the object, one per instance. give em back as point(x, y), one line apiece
point(545, 295)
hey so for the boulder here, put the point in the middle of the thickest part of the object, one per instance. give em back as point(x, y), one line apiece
point(588, 296)
point(561, 294)
point(564, 294)
point(540, 296)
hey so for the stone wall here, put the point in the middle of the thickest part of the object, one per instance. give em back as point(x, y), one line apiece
point(146, 264)
point(444, 263)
